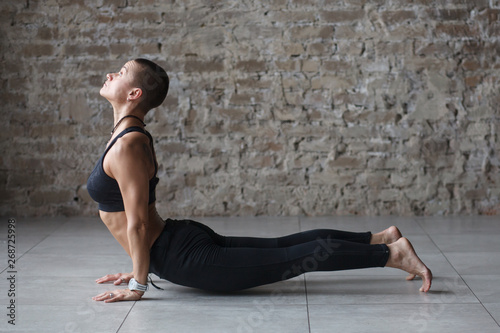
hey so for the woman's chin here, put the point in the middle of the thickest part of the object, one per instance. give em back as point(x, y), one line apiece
point(102, 92)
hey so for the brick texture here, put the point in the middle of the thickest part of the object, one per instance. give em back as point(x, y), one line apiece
point(276, 107)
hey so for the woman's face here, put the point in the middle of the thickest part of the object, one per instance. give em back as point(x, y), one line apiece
point(118, 85)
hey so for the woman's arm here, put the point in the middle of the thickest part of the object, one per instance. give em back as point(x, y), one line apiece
point(130, 163)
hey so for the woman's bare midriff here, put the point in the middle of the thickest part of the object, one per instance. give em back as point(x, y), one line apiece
point(117, 225)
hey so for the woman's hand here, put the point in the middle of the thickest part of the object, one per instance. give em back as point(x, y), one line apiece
point(119, 295)
point(117, 278)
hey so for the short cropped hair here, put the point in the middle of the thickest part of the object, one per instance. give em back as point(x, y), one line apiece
point(153, 81)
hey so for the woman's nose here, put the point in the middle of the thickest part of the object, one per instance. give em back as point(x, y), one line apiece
point(109, 76)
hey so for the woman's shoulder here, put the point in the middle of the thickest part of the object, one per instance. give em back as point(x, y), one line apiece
point(131, 141)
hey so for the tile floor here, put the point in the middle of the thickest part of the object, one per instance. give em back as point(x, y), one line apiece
point(58, 260)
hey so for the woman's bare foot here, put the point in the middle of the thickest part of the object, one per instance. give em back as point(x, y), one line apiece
point(387, 236)
point(403, 256)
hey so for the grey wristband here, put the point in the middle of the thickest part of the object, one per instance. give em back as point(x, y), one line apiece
point(134, 285)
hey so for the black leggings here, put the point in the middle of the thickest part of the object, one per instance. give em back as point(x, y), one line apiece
point(191, 254)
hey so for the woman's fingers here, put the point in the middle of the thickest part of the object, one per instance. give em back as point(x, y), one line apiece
point(123, 278)
point(108, 296)
point(114, 298)
point(117, 296)
point(119, 281)
point(106, 278)
point(103, 296)
point(117, 278)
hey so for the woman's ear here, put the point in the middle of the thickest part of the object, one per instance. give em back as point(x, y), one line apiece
point(134, 94)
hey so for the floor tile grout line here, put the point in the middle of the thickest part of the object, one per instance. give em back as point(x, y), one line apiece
point(498, 323)
point(38, 243)
point(398, 304)
point(126, 316)
point(22, 255)
point(442, 253)
point(460, 275)
point(305, 286)
point(416, 219)
point(31, 248)
point(307, 306)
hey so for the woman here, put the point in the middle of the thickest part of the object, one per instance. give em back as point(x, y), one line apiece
point(187, 252)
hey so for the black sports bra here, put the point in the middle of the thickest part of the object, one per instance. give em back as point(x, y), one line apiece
point(105, 190)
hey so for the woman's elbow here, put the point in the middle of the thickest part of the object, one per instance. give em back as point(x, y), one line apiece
point(137, 228)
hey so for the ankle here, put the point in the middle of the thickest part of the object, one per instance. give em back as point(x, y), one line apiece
point(394, 256)
point(377, 238)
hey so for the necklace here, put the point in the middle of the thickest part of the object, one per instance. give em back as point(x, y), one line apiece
point(129, 116)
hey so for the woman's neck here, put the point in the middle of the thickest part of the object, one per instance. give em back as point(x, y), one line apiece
point(127, 121)
point(122, 110)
